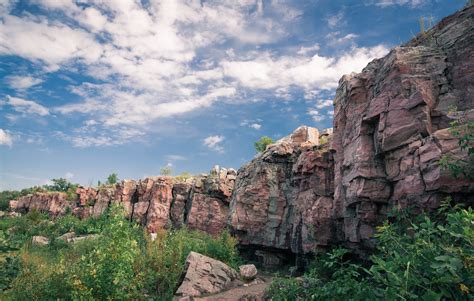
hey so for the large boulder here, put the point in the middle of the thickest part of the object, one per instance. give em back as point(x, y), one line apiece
point(204, 275)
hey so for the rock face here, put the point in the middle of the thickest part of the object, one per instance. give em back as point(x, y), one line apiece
point(390, 130)
point(283, 198)
point(204, 275)
point(200, 203)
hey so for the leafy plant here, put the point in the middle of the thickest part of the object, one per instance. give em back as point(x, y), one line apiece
point(262, 143)
point(166, 171)
point(112, 179)
point(417, 258)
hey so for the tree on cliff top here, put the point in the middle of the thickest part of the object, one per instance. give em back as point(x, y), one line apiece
point(262, 143)
point(112, 179)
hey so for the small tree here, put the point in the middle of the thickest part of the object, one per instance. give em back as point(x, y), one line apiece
point(112, 179)
point(60, 184)
point(262, 143)
point(166, 171)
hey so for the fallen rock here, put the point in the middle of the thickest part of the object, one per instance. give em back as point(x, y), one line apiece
point(40, 240)
point(67, 237)
point(83, 237)
point(204, 275)
point(248, 272)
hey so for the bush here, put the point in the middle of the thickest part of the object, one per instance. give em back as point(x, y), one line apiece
point(112, 179)
point(262, 143)
point(420, 258)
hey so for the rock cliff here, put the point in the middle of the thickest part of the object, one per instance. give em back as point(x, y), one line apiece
point(200, 203)
point(390, 130)
point(310, 191)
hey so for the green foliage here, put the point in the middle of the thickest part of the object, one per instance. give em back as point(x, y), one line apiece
point(184, 176)
point(112, 179)
point(463, 130)
point(420, 258)
point(323, 139)
point(166, 171)
point(7, 195)
point(262, 143)
point(122, 264)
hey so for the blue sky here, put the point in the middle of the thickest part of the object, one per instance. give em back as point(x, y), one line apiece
point(90, 87)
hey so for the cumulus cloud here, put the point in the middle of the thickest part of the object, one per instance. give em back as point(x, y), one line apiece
point(69, 175)
point(323, 103)
point(26, 106)
point(146, 58)
point(18, 82)
point(5, 138)
point(214, 143)
point(255, 126)
point(316, 115)
point(316, 72)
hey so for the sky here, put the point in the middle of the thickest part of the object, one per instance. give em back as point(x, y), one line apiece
point(91, 87)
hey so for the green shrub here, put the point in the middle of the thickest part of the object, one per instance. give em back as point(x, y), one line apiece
point(122, 264)
point(417, 258)
point(262, 143)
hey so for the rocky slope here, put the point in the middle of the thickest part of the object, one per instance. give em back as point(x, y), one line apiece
point(390, 129)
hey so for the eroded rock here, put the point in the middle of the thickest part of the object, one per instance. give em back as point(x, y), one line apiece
point(204, 275)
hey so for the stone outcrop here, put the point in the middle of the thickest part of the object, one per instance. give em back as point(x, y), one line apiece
point(283, 197)
point(200, 203)
point(204, 275)
point(390, 130)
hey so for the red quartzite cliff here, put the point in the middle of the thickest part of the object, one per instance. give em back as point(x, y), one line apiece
point(200, 203)
point(312, 190)
point(390, 130)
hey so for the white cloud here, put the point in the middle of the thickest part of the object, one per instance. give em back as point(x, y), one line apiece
point(22, 82)
point(320, 103)
point(256, 126)
point(174, 158)
point(214, 143)
point(147, 59)
point(69, 175)
point(5, 138)
point(305, 50)
point(316, 115)
point(335, 20)
point(316, 72)
point(412, 3)
point(26, 106)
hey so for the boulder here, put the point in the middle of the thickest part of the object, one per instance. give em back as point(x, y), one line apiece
point(67, 237)
point(248, 272)
point(40, 240)
point(204, 275)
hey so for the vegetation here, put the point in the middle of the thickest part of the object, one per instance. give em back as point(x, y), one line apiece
point(166, 171)
point(262, 143)
point(112, 179)
point(463, 130)
point(124, 264)
point(417, 258)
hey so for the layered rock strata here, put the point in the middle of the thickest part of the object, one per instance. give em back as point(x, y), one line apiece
point(391, 127)
point(200, 203)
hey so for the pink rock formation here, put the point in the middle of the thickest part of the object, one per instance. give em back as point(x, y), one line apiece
point(201, 203)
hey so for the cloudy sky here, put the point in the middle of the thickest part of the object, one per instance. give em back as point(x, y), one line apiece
point(90, 87)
